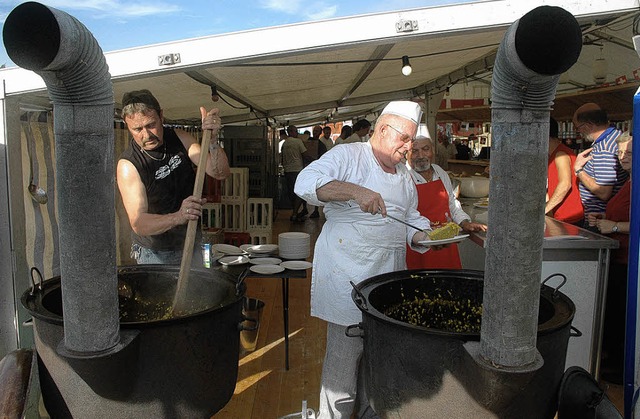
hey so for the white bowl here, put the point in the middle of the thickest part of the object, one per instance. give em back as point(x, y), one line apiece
point(474, 186)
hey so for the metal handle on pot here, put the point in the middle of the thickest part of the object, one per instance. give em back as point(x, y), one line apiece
point(555, 290)
point(241, 326)
point(577, 334)
point(358, 326)
point(35, 286)
point(241, 278)
point(360, 300)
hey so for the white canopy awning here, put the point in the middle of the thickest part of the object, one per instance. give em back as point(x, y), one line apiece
point(343, 68)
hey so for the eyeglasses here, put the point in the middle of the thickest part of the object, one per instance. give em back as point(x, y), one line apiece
point(624, 152)
point(404, 137)
point(578, 126)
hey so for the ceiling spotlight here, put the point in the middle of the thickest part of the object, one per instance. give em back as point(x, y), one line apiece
point(599, 69)
point(214, 93)
point(406, 67)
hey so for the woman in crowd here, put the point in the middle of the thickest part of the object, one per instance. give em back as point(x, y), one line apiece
point(563, 193)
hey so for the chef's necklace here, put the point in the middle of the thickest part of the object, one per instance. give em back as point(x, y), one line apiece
point(164, 154)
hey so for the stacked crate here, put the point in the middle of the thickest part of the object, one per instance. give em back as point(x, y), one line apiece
point(237, 214)
point(252, 147)
point(251, 153)
point(211, 216)
point(211, 223)
point(235, 191)
point(260, 219)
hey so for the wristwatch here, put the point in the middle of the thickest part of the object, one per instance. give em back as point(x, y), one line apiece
point(614, 229)
point(579, 170)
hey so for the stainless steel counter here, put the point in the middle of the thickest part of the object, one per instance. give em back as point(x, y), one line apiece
point(557, 234)
point(580, 255)
point(470, 167)
point(483, 163)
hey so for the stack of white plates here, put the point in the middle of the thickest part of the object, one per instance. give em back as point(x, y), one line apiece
point(233, 260)
point(296, 265)
point(294, 245)
point(228, 249)
point(261, 250)
point(266, 269)
point(265, 261)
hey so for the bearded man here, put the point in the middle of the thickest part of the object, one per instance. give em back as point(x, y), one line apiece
point(437, 202)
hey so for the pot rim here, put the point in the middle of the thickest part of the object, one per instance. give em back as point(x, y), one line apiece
point(30, 299)
point(365, 287)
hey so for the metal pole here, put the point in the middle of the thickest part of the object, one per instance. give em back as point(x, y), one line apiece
point(631, 358)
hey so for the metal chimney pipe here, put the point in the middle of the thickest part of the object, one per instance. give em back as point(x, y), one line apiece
point(535, 50)
point(65, 54)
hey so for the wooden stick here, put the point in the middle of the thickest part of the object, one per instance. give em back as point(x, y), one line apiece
point(187, 251)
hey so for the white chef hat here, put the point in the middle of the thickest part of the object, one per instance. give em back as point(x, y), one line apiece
point(404, 108)
point(423, 132)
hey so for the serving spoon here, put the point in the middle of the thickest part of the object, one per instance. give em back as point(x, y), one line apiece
point(406, 223)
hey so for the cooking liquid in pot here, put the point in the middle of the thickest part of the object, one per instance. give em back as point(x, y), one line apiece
point(439, 312)
point(149, 296)
point(138, 309)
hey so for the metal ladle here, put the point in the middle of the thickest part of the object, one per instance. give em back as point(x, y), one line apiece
point(37, 193)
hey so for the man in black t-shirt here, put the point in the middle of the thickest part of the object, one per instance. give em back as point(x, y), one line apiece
point(155, 177)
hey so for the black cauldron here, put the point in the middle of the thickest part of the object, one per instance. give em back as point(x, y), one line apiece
point(183, 367)
point(413, 371)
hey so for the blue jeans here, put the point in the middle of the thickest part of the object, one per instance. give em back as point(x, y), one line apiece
point(145, 256)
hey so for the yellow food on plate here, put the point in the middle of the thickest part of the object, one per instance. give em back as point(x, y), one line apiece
point(447, 231)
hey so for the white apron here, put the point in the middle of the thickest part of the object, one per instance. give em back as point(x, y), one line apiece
point(354, 245)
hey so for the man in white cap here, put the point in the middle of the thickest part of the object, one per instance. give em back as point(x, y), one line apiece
point(359, 184)
point(436, 201)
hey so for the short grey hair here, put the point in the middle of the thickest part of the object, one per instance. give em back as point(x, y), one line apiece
point(625, 137)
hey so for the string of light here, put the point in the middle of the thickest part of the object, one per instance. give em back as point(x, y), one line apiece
point(404, 59)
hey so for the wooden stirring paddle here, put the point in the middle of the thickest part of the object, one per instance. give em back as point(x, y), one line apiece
point(187, 251)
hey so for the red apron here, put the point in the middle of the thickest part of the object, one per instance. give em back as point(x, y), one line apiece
point(433, 203)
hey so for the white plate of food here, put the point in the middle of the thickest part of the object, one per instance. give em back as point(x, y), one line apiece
point(234, 260)
point(262, 248)
point(265, 261)
point(441, 242)
point(296, 265)
point(228, 249)
point(481, 204)
point(266, 269)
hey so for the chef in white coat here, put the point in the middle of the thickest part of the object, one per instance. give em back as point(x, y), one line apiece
point(359, 184)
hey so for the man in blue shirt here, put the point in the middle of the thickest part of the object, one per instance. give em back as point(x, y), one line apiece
point(597, 168)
